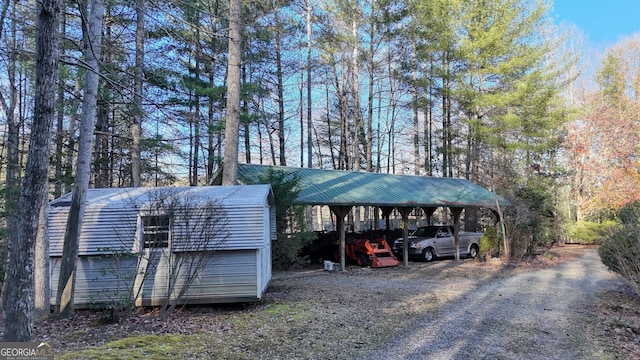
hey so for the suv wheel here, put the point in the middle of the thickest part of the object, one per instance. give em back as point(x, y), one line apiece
point(428, 255)
point(473, 252)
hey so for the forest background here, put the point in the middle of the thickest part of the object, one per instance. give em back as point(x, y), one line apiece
point(491, 91)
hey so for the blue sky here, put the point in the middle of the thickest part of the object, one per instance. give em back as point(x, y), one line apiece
point(603, 22)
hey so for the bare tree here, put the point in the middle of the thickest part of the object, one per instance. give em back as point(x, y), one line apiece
point(179, 236)
point(93, 46)
point(9, 102)
point(19, 297)
point(198, 228)
point(136, 128)
point(230, 171)
point(280, 86)
point(42, 289)
point(309, 97)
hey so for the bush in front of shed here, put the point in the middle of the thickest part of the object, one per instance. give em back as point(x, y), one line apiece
point(290, 220)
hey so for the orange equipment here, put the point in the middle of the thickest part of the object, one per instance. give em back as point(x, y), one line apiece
point(375, 253)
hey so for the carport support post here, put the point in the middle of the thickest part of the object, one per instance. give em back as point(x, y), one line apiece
point(404, 212)
point(341, 212)
point(456, 212)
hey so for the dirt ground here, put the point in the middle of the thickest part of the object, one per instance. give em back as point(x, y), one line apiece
point(365, 313)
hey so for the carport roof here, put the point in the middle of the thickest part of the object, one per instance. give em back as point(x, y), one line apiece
point(350, 188)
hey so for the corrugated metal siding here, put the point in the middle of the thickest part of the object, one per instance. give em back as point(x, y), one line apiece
point(266, 251)
point(228, 276)
point(111, 222)
point(246, 227)
point(272, 221)
point(244, 230)
point(264, 276)
point(111, 226)
point(104, 231)
point(99, 280)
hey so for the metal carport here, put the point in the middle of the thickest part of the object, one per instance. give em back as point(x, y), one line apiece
point(342, 190)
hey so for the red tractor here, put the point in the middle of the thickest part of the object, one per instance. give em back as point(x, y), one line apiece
point(370, 252)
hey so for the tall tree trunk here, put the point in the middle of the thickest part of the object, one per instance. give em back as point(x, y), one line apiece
point(196, 112)
point(329, 132)
point(93, 47)
point(101, 171)
point(301, 109)
point(378, 165)
point(101, 151)
point(391, 120)
point(279, 75)
point(42, 288)
point(19, 297)
point(211, 125)
point(446, 119)
point(372, 70)
point(60, 124)
point(230, 171)
point(416, 127)
point(272, 147)
point(136, 128)
point(246, 124)
point(213, 128)
point(355, 92)
point(309, 137)
point(341, 88)
point(71, 148)
point(449, 129)
point(10, 106)
point(357, 116)
point(428, 127)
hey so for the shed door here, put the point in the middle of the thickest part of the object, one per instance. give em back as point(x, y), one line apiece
point(154, 239)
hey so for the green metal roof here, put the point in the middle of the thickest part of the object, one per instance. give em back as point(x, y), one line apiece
point(350, 188)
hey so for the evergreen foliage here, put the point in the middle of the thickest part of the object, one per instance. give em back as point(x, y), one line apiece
point(290, 219)
point(587, 232)
point(489, 243)
point(630, 214)
point(533, 224)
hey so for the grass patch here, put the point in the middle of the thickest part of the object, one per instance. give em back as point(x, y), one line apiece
point(138, 347)
point(76, 335)
point(295, 311)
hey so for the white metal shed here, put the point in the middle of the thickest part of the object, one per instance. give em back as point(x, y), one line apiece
point(147, 245)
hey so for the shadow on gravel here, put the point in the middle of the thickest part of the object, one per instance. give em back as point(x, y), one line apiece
point(532, 315)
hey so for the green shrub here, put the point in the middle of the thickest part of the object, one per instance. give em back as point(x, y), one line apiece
point(489, 243)
point(630, 214)
point(587, 232)
point(620, 247)
point(284, 251)
point(290, 219)
point(532, 218)
point(620, 252)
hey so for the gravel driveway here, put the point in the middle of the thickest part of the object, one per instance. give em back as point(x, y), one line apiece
point(444, 309)
point(532, 315)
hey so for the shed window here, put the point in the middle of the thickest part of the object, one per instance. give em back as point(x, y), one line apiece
point(156, 231)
